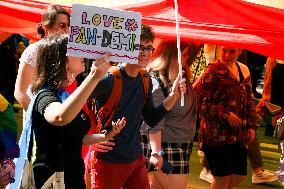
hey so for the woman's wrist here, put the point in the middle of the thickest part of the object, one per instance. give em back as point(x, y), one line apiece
point(101, 137)
point(93, 77)
point(174, 95)
point(160, 153)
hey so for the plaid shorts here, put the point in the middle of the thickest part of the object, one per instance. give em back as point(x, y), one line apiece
point(146, 148)
point(178, 154)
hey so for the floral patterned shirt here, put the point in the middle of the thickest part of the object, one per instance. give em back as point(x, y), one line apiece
point(218, 93)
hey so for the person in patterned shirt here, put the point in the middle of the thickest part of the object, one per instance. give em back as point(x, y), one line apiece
point(227, 117)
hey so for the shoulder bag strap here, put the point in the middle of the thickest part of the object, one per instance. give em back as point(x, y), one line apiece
point(240, 73)
point(106, 112)
point(145, 77)
point(164, 89)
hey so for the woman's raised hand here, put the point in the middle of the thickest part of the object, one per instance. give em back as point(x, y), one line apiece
point(179, 85)
point(100, 66)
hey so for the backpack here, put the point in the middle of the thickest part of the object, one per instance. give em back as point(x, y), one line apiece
point(104, 115)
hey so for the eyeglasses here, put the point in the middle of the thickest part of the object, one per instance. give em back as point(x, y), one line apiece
point(150, 49)
point(64, 26)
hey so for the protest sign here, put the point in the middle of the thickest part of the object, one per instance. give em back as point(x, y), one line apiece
point(96, 30)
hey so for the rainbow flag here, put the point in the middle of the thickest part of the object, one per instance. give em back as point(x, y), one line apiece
point(8, 131)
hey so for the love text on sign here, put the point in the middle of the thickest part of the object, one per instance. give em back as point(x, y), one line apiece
point(96, 30)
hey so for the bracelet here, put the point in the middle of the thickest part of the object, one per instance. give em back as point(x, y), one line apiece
point(160, 153)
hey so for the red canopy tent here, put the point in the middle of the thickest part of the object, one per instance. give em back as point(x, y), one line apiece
point(237, 23)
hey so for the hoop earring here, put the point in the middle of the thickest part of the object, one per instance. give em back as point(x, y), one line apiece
point(72, 76)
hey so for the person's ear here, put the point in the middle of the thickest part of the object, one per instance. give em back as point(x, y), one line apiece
point(46, 30)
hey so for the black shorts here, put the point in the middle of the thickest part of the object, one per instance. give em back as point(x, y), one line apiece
point(227, 160)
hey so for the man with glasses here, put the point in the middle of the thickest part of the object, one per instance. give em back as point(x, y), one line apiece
point(124, 165)
point(149, 49)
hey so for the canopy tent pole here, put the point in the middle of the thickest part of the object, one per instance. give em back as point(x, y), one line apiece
point(178, 48)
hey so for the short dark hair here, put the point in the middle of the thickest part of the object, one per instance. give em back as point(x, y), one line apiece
point(49, 17)
point(51, 62)
point(147, 33)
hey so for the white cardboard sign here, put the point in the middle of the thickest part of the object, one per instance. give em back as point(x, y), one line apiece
point(96, 30)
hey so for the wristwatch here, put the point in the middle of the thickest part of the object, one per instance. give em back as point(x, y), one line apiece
point(160, 153)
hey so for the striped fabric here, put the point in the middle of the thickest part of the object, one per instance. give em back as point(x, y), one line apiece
point(8, 131)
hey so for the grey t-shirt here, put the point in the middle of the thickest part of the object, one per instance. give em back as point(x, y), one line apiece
point(179, 125)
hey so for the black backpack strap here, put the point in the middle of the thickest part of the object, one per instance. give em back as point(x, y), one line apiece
point(31, 144)
point(240, 73)
point(164, 89)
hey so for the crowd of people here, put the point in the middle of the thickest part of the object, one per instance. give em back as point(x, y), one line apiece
point(148, 129)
